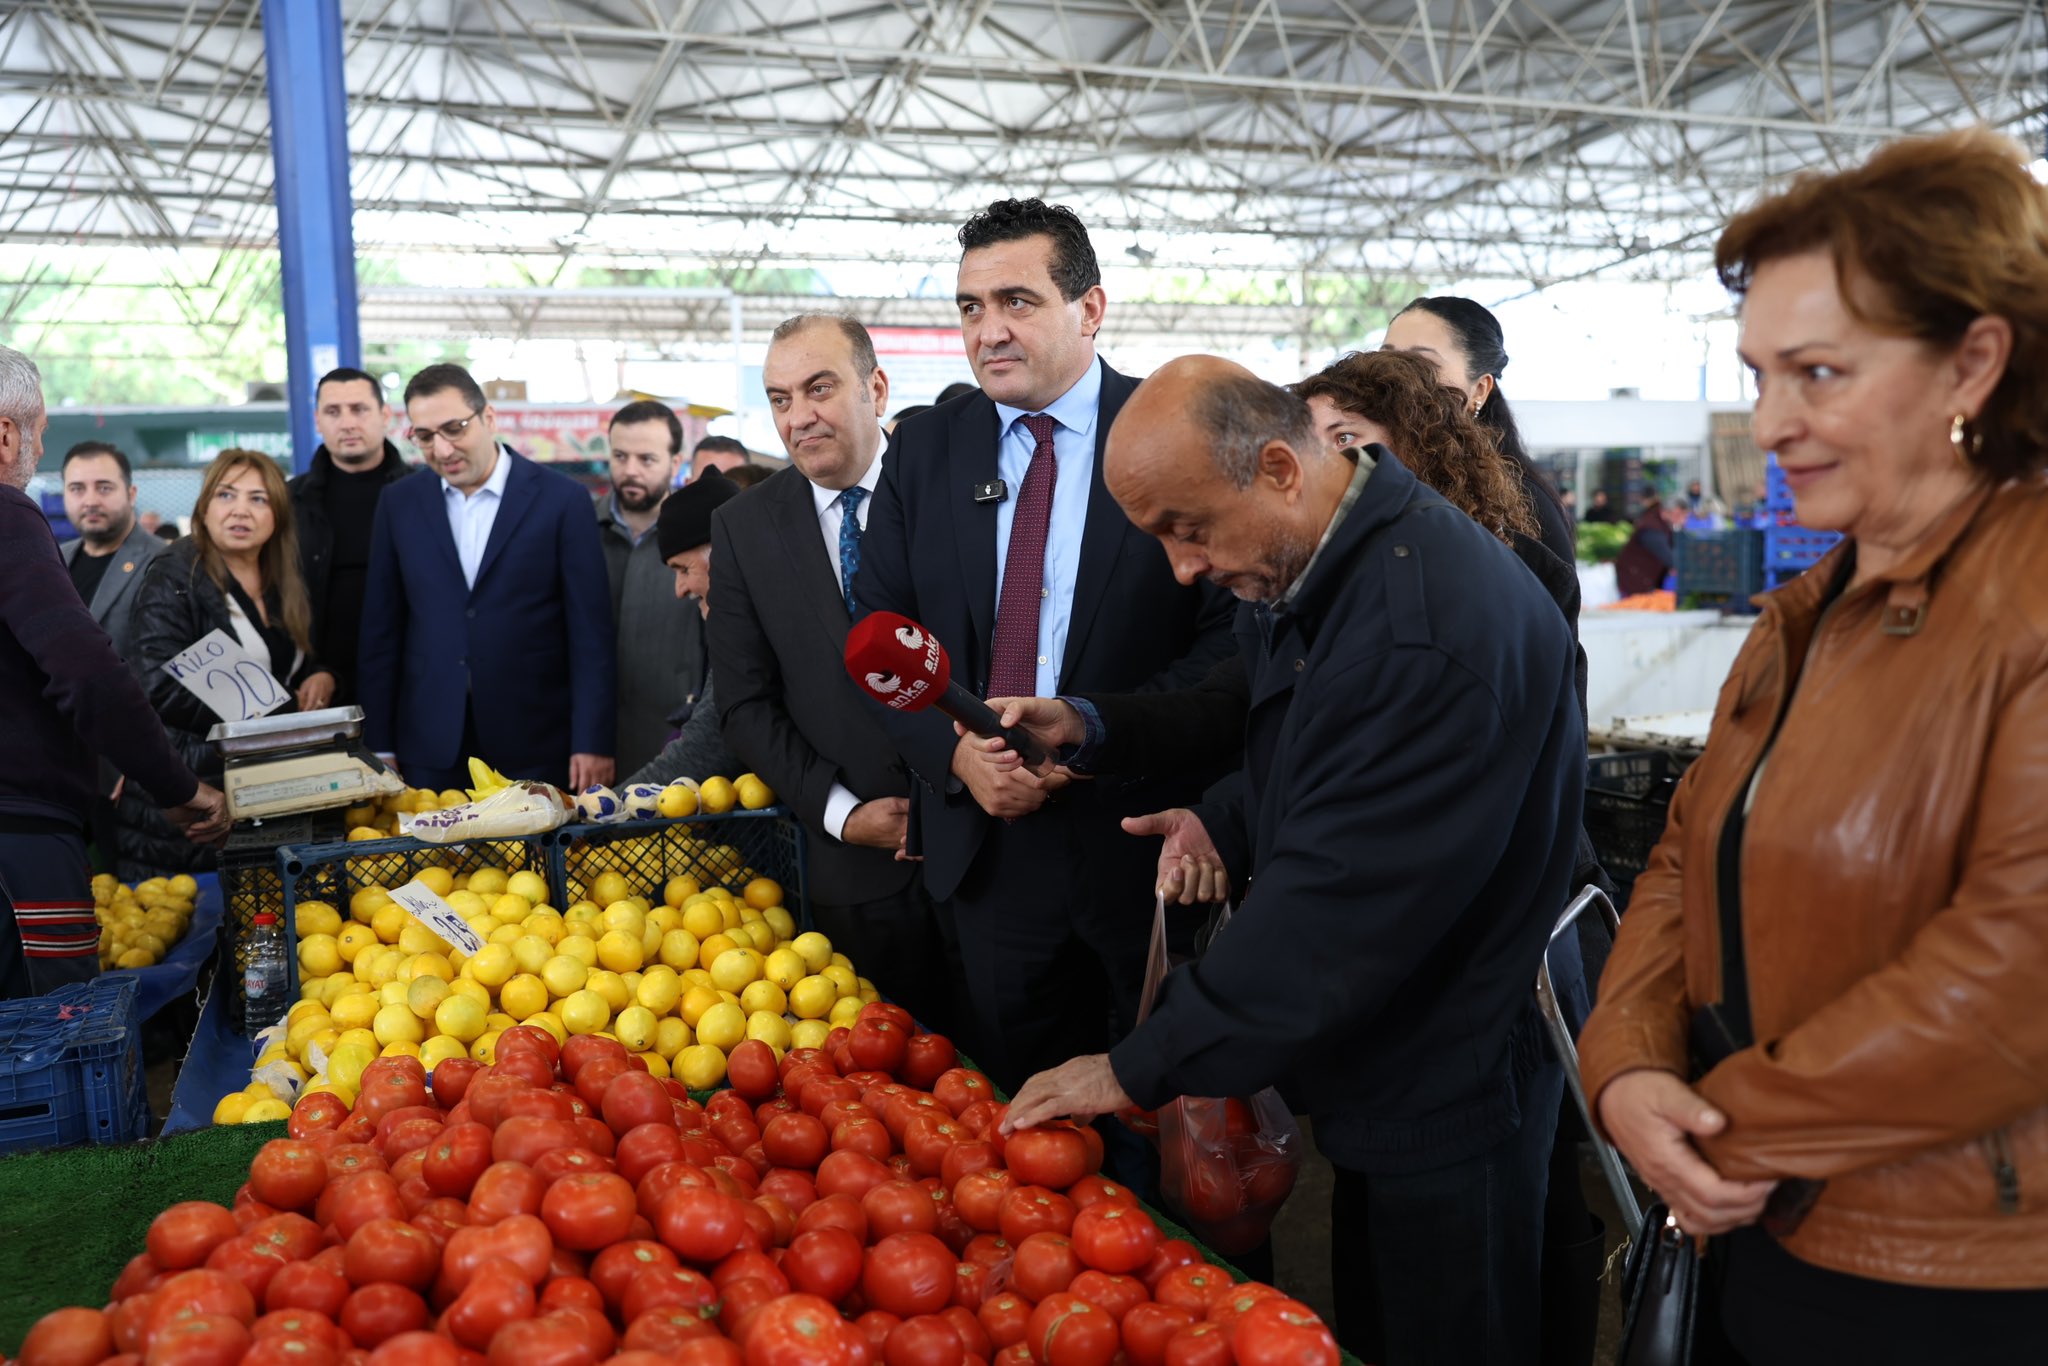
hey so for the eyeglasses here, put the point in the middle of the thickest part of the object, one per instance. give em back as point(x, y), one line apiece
point(423, 437)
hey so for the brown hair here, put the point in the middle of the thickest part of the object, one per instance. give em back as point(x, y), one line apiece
point(1432, 433)
point(279, 557)
point(1928, 236)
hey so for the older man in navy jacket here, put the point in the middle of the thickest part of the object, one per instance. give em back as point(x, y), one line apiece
point(487, 618)
point(1408, 817)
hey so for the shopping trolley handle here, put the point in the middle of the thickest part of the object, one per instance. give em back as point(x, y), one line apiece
point(1590, 896)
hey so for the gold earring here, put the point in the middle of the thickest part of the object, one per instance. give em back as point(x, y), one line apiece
point(1959, 436)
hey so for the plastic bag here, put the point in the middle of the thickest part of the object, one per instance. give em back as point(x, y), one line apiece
point(1225, 1166)
point(521, 809)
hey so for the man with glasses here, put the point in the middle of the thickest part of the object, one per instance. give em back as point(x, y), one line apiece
point(487, 619)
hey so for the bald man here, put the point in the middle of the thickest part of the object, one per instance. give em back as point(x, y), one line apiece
point(1408, 815)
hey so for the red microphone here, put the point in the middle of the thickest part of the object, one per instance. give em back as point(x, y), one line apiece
point(901, 665)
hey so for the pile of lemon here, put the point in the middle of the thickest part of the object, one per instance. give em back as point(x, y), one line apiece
point(714, 796)
point(256, 1103)
point(680, 982)
point(379, 820)
point(139, 924)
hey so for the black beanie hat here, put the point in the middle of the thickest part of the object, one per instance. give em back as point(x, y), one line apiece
point(685, 521)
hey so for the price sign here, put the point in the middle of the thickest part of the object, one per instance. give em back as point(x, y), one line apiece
point(219, 672)
point(438, 916)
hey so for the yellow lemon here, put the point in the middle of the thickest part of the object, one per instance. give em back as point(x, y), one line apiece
point(231, 1108)
point(636, 1028)
point(754, 794)
point(531, 952)
point(397, 1024)
point(759, 934)
point(509, 908)
point(735, 968)
point(365, 832)
point(782, 922)
point(439, 881)
point(580, 947)
point(460, 1018)
point(319, 954)
point(363, 904)
point(729, 912)
point(620, 951)
point(608, 887)
point(678, 890)
point(417, 938)
point(764, 996)
point(499, 1021)
point(612, 987)
point(845, 1012)
point(714, 946)
point(676, 801)
point(440, 1049)
point(316, 917)
point(716, 796)
point(659, 988)
point(361, 1037)
point(700, 1066)
point(467, 904)
point(843, 961)
point(508, 935)
point(585, 1012)
point(657, 1066)
point(624, 915)
point(812, 998)
point(423, 995)
point(785, 967)
point(564, 975)
point(762, 893)
point(185, 885)
point(352, 940)
point(671, 1036)
point(842, 978)
point(524, 995)
point(528, 884)
point(488, 881)
point(393, 993)
point(493, 965)
point(680, 949)
point(584, 913)
point(722, 1026)
point(266, 1112)
point(551, 1022)
point(815, 948)
point(401, 1049)
point(702, 918)
point(546, 927)
point(388, 920)
point(696, 1000)
point(770, 1028)
point(808, 1034)
point(475, 991)
point(485, 1049)
point(433, 964)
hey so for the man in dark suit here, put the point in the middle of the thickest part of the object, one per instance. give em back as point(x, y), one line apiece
point(111, 550)
point(487, 623)
point(785, 557)
point(992, 529)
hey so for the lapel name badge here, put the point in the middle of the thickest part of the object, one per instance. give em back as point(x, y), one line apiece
point(995, 491)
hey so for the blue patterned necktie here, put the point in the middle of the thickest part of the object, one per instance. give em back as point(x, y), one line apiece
point(849, 540)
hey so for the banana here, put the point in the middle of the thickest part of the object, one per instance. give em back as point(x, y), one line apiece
point(486, 780)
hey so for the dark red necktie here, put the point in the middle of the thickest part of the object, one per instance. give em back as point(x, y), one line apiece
point(1013, 664)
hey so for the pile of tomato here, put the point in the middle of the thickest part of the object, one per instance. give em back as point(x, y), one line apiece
point(857, 1203)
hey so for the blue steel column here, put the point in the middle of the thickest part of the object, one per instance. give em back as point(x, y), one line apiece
point(309, 148)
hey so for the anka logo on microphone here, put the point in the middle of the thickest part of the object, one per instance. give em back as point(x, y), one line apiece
point(897, 662)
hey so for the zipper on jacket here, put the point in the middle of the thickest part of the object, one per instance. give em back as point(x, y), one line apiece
point(2005, 1172)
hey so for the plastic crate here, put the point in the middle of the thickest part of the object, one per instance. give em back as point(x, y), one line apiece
point(1792, 550)
point(724, 850)
point(1777, 492)
point(1728, 563)
point(334, 872)
point(250, 884)
point(1628, 797)
point(71, 1067)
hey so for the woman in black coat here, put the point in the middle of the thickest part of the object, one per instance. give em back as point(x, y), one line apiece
point(237, 572)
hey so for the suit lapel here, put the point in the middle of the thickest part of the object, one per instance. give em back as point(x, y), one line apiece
point(1102, 539)
point(971, 459)
point(812, 576)
point(119, 578)
point(522, 486)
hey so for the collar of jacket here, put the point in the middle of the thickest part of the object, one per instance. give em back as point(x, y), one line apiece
point(1381, 499)
point(392, 466)
point(1908, 583)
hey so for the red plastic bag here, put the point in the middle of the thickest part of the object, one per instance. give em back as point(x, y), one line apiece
point(1225, 1166)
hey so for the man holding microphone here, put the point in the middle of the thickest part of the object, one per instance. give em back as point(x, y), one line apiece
point(1407, 813)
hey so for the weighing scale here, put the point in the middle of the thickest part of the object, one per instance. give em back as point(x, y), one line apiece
point(298, 762)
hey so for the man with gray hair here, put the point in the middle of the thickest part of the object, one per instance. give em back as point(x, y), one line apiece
point(66, 696)
point(1408, 811)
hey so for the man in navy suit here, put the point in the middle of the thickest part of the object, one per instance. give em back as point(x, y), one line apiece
point(487, 619)
point(992, 528)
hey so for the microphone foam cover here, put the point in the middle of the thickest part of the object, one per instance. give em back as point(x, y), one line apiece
point(897, 662)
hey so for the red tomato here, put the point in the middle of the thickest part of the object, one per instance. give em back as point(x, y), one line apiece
point(964, 1159)
point(957, 1088)
point(306, 1285)
point(909, 1274)
point(1055, 1156)
point(1201, 1344)
point(928, 1138)
point(980, 1118)
point(1191, 1287)
point(498, 1293)
point(388, 1250)
point(550, 1340)
point(1147, 1328)
point(305, 1324)
point(781, 1222)
point(747, 1264)
point(186, 1233)
point(633, 1099)
point(1172, 1253)
point(68, 1337)
point(551, 1167)
point(1232, 1301)
point(129, 1322)
point(527, 1138)
point(1044, 1264)
point(876, 1325)
point(505, 1189)
point(750, 1068)
point(970, 1285)
point(456, 1159)
point(1033, 1209)
point(134, 1278)
point(663, 1179)
point(899, 1207)
point(191, 1294)
point(900, 1110)
point(926, 1340)
point(1097, 1190)
point(1118, 1294)
point(796, 1140)
point(590, 1210)
point(584, 1049)
point(739, 1300)
point(353, 1159)
point(835, 1211)
point(987, 1249)
point(793, 1188)
point(1016, 1354)
point(701, 1225)
point(660, 1289)
point(288, 1174)
point(391, 1088)
point(927, 1058)
point(878, 1045)
point(318, 1113)
point(1115, 1237)
point(979, 1197)
point(1068, 1331)
point(888, 1010)
point(249, 1261)
point(525, 1038)
point(414, 1133)
point(803, 1330)
point(521, 1239)
point(613, 1269)
point(850, 1173)
point(201, 1340)
point(869, 1137)
point(451, 1078)
point(666, 1329)
point(824, 1262)
point(647, 1146)
point(1282, 1332)
point(525, 1065)
point(972, 1335)
point(376, 1312)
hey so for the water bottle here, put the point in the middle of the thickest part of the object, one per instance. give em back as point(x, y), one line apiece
point(266, 979)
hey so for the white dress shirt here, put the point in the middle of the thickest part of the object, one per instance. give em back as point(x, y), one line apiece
point(471, 516)
point(840, 802)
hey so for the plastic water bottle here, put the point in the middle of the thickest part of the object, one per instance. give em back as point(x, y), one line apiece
point(266, 979)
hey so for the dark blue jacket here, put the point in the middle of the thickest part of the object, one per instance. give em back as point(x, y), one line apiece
point(531, 645)
point(1408, 817)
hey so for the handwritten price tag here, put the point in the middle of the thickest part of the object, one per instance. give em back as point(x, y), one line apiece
point(438, 916)
point(219, 672)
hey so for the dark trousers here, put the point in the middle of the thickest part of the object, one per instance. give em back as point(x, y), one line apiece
point(418, 774)
point(1053, 921)
point(49, 936)
point(904, 946)
point(1444, 1267)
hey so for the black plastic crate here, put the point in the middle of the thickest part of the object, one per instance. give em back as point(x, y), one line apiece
point(1628, 798)
point(71, 1067)
point(726, 850)
point(250, 884)
point(1726, 564)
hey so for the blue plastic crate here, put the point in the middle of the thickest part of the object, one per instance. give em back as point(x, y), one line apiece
point(1722, 564)
point(1777, 492)
point(1791, 550)
point(71, 1067)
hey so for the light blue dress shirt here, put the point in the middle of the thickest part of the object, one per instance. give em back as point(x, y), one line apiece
point(471, 516)
point(1073, 446)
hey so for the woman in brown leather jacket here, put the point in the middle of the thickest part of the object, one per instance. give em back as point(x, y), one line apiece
point(1868, 818)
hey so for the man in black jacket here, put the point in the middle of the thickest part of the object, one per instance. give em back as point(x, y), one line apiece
point(1409, 814)
point(336, 504)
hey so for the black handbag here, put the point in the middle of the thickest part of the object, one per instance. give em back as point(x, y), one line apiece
point(1660, 1285)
